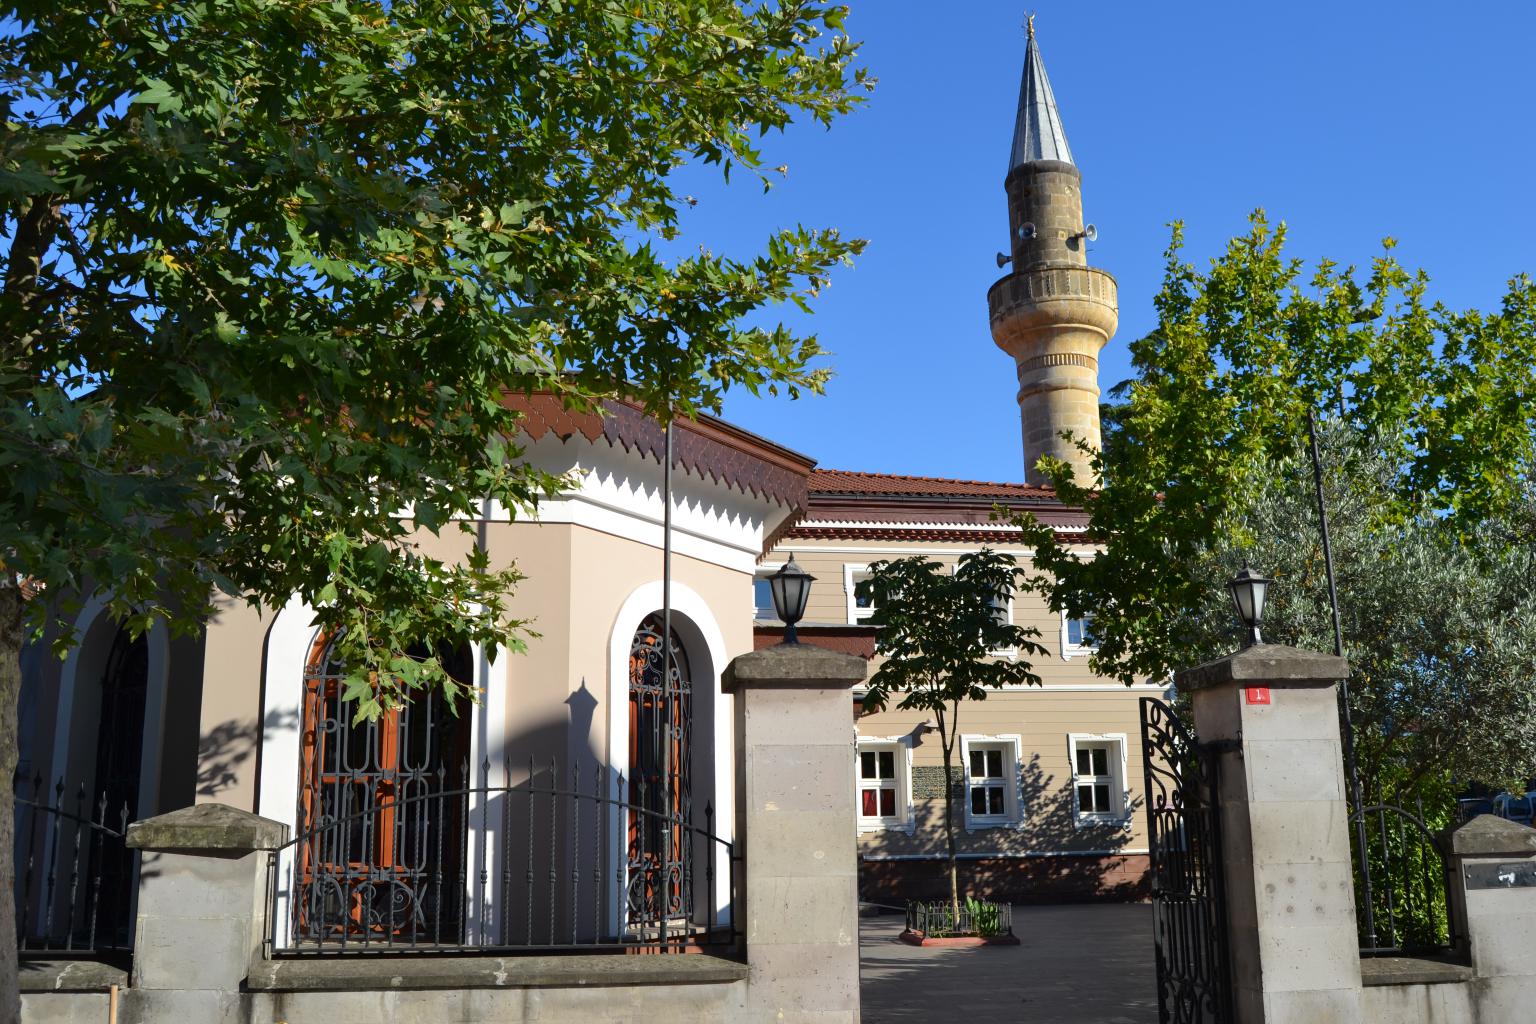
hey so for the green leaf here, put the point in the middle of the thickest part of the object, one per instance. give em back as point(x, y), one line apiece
point(160, 95)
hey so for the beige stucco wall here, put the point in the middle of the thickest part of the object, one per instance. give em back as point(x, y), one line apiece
point(577, 580)
point(1042, 719)
point(829, 601)
point(230, 719)
point(1071, 700)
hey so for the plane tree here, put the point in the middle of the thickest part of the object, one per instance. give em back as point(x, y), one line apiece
point(270, 271)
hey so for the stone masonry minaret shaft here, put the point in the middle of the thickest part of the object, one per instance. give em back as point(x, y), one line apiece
point(1053, 313)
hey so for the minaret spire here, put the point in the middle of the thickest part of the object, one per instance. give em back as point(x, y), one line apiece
point(1037, 130)
point(1053, 312)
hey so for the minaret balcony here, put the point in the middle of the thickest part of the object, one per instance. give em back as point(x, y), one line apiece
point(1062, 296)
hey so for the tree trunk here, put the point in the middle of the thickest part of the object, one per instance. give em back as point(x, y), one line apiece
point(947, 744)
point(10, 697)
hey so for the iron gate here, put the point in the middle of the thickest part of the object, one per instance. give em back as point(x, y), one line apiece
point(1184, 838)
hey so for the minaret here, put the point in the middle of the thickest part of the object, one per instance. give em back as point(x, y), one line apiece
point(1054, 312)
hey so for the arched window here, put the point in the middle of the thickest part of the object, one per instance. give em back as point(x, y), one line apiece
point(120, 730)
point(659, 856)
point(381, 815)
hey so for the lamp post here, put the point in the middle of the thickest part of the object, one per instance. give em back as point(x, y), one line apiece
point(1249, 592)
point(790, 586)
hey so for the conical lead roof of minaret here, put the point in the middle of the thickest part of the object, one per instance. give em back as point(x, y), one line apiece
point(1037, 133)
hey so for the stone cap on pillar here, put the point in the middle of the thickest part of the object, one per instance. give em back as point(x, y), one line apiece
point(1260, 664)
point(207, 828)
point(1489, 835)
point(794, 665)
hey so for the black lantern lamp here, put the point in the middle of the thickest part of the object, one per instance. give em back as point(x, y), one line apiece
point(791, 586)
point(1249, 591)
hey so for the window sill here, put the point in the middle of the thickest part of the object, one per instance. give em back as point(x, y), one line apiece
point(879, 826)
point(593, 970)
point(70, 976)
point(987, 824)
point(1100, 820)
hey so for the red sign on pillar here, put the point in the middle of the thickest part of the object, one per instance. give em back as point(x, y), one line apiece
point(1256, 695)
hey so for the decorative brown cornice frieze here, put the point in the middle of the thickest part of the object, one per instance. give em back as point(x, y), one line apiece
point(708, 447)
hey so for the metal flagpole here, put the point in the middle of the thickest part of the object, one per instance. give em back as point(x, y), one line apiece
point(1338, 649)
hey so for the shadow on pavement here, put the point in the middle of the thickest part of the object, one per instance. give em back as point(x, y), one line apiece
point(1077, 964)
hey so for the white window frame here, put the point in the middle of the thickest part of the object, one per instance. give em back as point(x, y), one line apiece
point(1013, 812)
point(1069, 650)
point(762, 573)
point(1119, 789)
point(1007, 606)
point(856, 615)
point(902, 820)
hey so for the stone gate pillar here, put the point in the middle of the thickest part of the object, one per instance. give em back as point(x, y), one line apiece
point(1291, 934)
point(201, 911)
point(795, 826)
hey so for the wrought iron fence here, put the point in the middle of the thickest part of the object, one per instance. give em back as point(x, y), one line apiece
point(75, 878)
point(1184, 843)
point(937, 919)
point(503, 868)
point(1402, 878)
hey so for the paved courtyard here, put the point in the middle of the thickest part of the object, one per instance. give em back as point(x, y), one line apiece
point(1086, 964)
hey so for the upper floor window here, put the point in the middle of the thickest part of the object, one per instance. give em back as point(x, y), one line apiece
point(1077, 636)
point(859, 608)
point(1002, 608)
point(762, 598)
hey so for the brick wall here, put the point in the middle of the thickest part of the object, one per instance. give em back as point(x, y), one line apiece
point(1068, 879)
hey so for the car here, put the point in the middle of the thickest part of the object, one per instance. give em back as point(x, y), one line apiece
point(1515, 808)
point(1469, 807)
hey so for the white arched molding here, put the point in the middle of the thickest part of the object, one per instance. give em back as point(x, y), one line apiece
point(74, 739)
point(288, 645)
point(704, 644)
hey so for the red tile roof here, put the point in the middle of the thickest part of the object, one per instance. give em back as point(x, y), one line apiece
point(840, 481)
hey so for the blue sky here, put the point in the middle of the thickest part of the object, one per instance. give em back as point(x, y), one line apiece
point(1350, 121)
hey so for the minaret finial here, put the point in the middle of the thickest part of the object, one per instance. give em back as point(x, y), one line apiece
point(1031, 25)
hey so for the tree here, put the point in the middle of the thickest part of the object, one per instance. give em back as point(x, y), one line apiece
point(1433, 439)
point(1441, 637)
point(938, 635)
point(272, 268)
